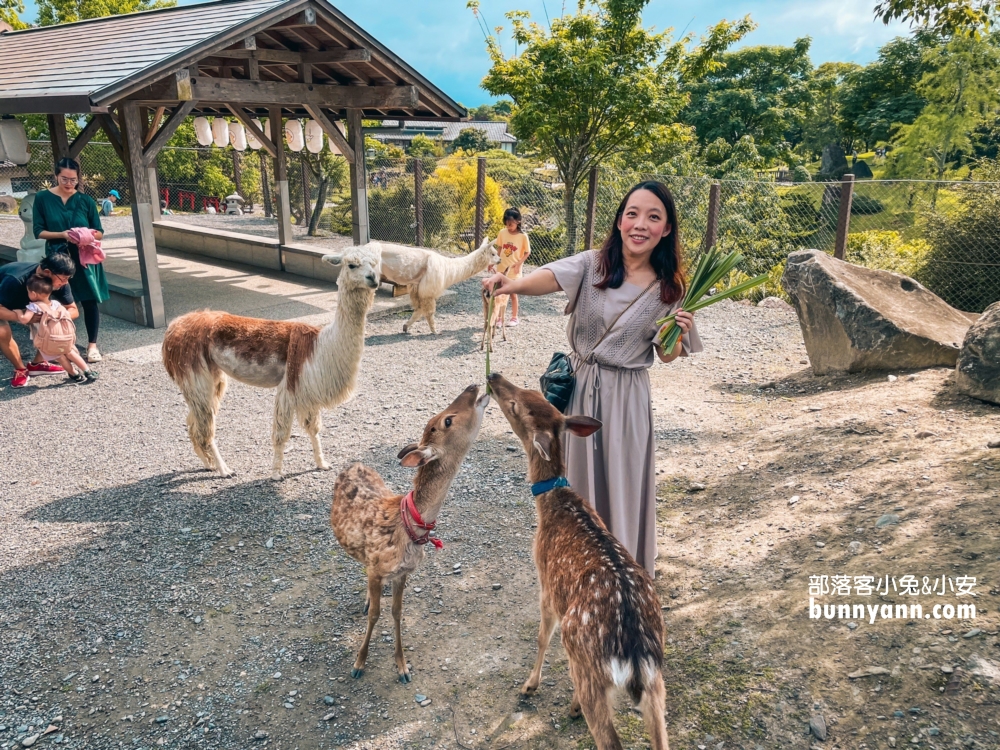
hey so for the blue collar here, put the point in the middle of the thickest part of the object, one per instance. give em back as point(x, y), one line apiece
point(539, 488)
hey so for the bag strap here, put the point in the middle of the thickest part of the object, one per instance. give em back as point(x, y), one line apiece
point(618, 316)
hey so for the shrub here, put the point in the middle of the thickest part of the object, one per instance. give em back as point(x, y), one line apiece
point(887, 251)
point(863, 205)
point(801, 174)
point(547, 244)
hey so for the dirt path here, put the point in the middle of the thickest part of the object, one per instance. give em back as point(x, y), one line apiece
point(146, 604)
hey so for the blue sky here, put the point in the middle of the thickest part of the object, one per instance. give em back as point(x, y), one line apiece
point(441, 39)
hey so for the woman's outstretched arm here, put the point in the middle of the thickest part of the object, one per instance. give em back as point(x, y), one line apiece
point(535, 284)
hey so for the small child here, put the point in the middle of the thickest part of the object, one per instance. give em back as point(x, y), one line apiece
point(514, 249)
point(39, 291)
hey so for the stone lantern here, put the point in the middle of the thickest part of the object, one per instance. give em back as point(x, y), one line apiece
point(234, 204)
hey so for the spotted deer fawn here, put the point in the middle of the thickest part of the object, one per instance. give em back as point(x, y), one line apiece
point(387, 532)
point(603, 600)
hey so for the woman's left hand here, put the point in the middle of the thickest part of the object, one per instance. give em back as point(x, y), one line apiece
point(684, 320)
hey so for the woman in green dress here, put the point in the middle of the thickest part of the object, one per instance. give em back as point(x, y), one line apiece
point(56, 211)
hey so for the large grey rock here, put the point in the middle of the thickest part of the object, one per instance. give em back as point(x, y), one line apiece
point(833, 163)
point(978, 370)
point(856, 318)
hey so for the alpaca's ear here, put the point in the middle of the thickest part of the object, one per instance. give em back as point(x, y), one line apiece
point(407, 449)
point(582, 426)
point(418, 457)
point(333, 260)
point(542, 442)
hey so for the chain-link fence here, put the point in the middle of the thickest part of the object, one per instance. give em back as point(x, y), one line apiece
point(944, 234)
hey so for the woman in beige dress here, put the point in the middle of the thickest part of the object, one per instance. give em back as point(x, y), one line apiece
point(635, 279)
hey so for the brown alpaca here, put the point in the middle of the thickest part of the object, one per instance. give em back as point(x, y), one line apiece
point(499, 313)
point(602, 599)
point(312, 368)
point(380, 529)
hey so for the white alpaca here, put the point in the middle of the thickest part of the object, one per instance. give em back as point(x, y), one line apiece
point(428, 273)
point(312, 368)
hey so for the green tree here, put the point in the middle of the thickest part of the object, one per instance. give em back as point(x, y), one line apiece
point(963, 17)
point(961, 93)
point(491, 112)
point(332, 172)
point(51, 12)
point(595, 84)
point(761, 91)
point(824, 123)
point(883, 94)
point(472, 140)
point(10, 11)
point(422, 147)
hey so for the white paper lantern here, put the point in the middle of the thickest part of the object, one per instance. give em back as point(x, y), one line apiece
point(203, 131)
point(220, 132)
point(293, 135)
point(237, 136)
point(252, 139)
point(314, 136)
point(13, 142)
point(333, 146)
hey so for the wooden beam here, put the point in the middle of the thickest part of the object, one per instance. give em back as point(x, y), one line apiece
point(84, 137)
point(110, 129)
point(360, 227)
point(284, 204)
point(182, 84)
point(332, 132)
point(142, 214)
point(57, 134)
point(240, 115)
point(164, 134)
point(250, 42)
point(272, 92)
point(253, 69)
point(305, 73)
point(318, 57)
point(153, 125)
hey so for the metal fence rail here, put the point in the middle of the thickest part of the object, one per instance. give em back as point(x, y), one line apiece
point(944, 234)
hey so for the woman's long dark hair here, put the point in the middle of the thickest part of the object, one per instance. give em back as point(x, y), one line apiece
point(67, 163)
point(667, 255)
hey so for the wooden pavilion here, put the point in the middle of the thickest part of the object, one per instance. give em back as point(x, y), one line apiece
point(138, 76)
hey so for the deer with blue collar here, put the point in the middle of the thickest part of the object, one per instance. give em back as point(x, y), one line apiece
point(602, 599)
point(387, 532)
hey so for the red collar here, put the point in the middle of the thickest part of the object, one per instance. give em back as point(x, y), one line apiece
point(408, 510)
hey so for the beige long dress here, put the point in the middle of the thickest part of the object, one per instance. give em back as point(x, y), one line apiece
point(614, 468)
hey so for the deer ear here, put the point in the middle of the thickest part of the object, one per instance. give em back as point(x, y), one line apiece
point(582, 426)
point(542, 442)
point(407, 449)
point(418, 457)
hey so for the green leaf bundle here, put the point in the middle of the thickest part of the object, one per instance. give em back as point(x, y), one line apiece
point(712, 268)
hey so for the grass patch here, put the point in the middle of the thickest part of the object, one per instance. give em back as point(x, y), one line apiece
point(263, 687)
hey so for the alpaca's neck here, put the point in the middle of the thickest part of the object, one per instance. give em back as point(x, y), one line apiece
point(431, 485)
point(340, 345)
point(460, 269)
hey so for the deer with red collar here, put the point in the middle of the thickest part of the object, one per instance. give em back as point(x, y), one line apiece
point(387, 532)
point(603, 600)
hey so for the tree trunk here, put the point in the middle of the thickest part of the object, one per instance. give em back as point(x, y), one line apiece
point(569, 212)
point(317, 213)
point(265, 186)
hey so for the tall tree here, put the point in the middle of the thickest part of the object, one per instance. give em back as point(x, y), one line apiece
point(51, 12)
point(884, 93)
point(944, 16)
point(824, 123)
point(961, 93)
point(760, 91)
point(594, 84)
point(10, 11)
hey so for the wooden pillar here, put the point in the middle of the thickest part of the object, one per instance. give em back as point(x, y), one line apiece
point(712, 226)
point(57, 134)
point(284, 204)
point(844, 216)
point(588, 232)
point(418, 198)
point(480, 199)
point(360, 227)
point(142, 213)
point(154, 188)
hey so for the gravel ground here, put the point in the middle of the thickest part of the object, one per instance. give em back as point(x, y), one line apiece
point(145, 603)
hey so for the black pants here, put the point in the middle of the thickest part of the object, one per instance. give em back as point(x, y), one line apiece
point(91, 318)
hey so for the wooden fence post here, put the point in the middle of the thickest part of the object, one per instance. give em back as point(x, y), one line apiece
point(844, 216)
point(588, 231)
point(712, 227)
point(480, 199)
point(418, 198)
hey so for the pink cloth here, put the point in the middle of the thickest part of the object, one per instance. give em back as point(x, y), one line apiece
point(87, 244)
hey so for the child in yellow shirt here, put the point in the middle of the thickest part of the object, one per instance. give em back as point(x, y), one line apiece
point(514, 249)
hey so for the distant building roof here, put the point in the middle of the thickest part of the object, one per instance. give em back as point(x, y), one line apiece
point(496, 132)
